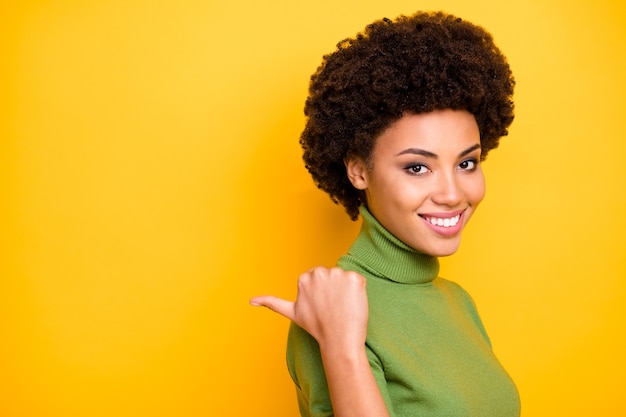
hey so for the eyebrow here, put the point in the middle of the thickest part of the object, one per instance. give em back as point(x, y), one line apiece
point(428, 154)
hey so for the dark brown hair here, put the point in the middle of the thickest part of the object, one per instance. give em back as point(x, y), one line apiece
point(413, 64)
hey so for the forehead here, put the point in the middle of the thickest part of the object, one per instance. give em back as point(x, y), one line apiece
point(440, 131)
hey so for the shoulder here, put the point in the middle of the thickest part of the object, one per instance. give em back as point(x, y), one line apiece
point(455, 290)
point(465, 300)
point(306, 369)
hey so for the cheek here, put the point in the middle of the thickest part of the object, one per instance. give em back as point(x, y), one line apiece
point(387, 188)
point(478, 190)
point(409, 193)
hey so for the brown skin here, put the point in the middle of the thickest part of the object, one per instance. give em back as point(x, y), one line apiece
point(413, 65)
point(332, 303)
point(424, 167)
point(332, 306)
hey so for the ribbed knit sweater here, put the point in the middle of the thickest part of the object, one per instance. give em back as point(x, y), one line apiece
point(426, 344)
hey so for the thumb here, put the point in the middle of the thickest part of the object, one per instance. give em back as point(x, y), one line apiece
point(283, 307)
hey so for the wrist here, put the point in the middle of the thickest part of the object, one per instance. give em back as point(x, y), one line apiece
point(346, 352)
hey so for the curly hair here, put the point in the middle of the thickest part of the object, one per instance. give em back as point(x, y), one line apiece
point(413, 64)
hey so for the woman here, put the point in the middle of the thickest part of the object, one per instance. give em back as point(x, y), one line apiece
point(398, 121)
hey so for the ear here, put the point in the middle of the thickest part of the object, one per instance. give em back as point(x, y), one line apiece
point(357, 172)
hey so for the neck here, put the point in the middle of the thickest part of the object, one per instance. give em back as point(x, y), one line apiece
point(388, 257)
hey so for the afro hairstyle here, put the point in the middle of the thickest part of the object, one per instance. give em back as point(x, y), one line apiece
point(411, 65)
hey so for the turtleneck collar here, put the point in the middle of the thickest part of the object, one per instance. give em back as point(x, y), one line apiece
point(384, 255)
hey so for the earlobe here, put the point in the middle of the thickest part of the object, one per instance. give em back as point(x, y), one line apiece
point(357, 172)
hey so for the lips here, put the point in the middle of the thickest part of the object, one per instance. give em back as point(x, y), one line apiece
point(444, 223)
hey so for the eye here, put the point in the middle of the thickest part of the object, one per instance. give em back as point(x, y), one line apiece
point(468, 165)
point(417, 169)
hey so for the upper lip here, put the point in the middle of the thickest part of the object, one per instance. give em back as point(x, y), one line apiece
point(443, 215)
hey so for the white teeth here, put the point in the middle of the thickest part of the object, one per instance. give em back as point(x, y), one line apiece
point(448, 222)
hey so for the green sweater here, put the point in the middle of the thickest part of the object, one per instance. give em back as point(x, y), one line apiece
point(426, 344)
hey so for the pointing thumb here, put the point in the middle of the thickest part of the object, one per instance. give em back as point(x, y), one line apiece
point(283, 307)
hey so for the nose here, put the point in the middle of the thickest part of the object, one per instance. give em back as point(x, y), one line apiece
point(447, 191)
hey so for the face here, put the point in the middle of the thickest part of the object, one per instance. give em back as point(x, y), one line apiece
point(424, 181)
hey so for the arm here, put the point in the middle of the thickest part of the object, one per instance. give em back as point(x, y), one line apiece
point(332, 307)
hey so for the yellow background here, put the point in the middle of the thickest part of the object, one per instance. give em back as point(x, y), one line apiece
point(151, 183)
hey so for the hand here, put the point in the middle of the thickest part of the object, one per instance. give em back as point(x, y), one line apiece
point(331, 306)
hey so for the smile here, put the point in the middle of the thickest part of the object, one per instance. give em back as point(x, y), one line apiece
point(443, 222)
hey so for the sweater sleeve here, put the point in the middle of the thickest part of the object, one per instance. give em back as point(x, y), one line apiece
point(304, 362)
point(306, 368)
point(381, 381)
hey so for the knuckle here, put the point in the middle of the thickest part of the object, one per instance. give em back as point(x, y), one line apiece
point(320, 273)
point(358, 278)
point(303, 279)
point(336, 271)
point(321, 270)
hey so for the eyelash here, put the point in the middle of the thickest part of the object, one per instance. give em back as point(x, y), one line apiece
point(411, 169)
point(473, 162)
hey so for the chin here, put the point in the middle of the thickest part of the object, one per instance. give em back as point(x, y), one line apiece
point(443, 254)
point(442, 250)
